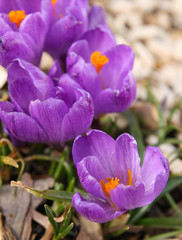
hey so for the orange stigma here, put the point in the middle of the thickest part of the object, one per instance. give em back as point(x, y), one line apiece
point(129, 177)
point(53, 2)
point(98, 60)
point(110, 184)
point(17, 16)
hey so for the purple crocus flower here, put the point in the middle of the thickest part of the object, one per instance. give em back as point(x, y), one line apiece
point(104, 69)
point(110, 171)
point(41, 111)
point(23, 28)
point(69, 22)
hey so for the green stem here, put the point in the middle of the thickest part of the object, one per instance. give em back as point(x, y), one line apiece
point(173, 203)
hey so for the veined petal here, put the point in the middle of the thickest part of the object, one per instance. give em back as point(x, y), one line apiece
point(98, 144)
point(116, 100)
point(15, 44)
point(79, 117)
point(5, 24)
point(96, 17)
point(7, 106)
point(22, 91)
point(64, 32)
point(78, 49)
point(34, 26)
point(126, 158)
point(154, 173)
point(19, 69)
point(49, 114)
point(128, 197)
point(121, 60)
point(93, 37)
point(86, 75)
point(95, 210)
point(90, 172)
point(23, 127)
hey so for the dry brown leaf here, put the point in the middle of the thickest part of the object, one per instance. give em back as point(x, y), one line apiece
point(19, 210)
point(5, 231)
point(89, 230)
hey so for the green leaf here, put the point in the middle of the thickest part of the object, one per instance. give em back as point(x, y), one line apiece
point(165, 235)
point(54, 195)
point(163, 222)
point(71, 185)
point(59, 168)
point(66, 221)
point(136, 133)
point(51, 215)
point(65, 232)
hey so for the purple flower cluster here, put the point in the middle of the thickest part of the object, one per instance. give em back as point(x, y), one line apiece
point(98, 72)
point(91, 76)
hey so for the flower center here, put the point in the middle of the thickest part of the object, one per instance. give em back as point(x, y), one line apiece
point(98, 60)
point(17, 16)
point(110, 184)
point(113, 183)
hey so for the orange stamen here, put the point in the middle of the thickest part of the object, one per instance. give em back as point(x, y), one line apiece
point(17, 16)
point(98, 60)
point(110, 184)
point(129, 177)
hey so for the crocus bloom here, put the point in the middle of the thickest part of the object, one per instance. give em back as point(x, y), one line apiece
point(23, 28)
point(41, 111)
point(104, 69)
point(69, 22)
point(110, 171)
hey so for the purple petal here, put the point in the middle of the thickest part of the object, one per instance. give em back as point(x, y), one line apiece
point(5, 24)
point(15, 44)
point(7, 106)
point(79, 117)
point(117, 100)
point(23, 127)
point(98, 144)
point(154, 173)
point(28, 6)
point(95, 43)
point(90, 172)
point(22, 92)
point(65, 31)
point(19, 69)
point(96, 17)
point(49, 115)
point(126, 158)
point(121, 60)
point(77, 50)
point(128, 197)
point(4, 7)
point(34, 25)
point(86, 75)
point(55, 71)
point(95, 210)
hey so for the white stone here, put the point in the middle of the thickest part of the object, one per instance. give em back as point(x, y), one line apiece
point(3, 76)
point(176, 166)
point(168, 150)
